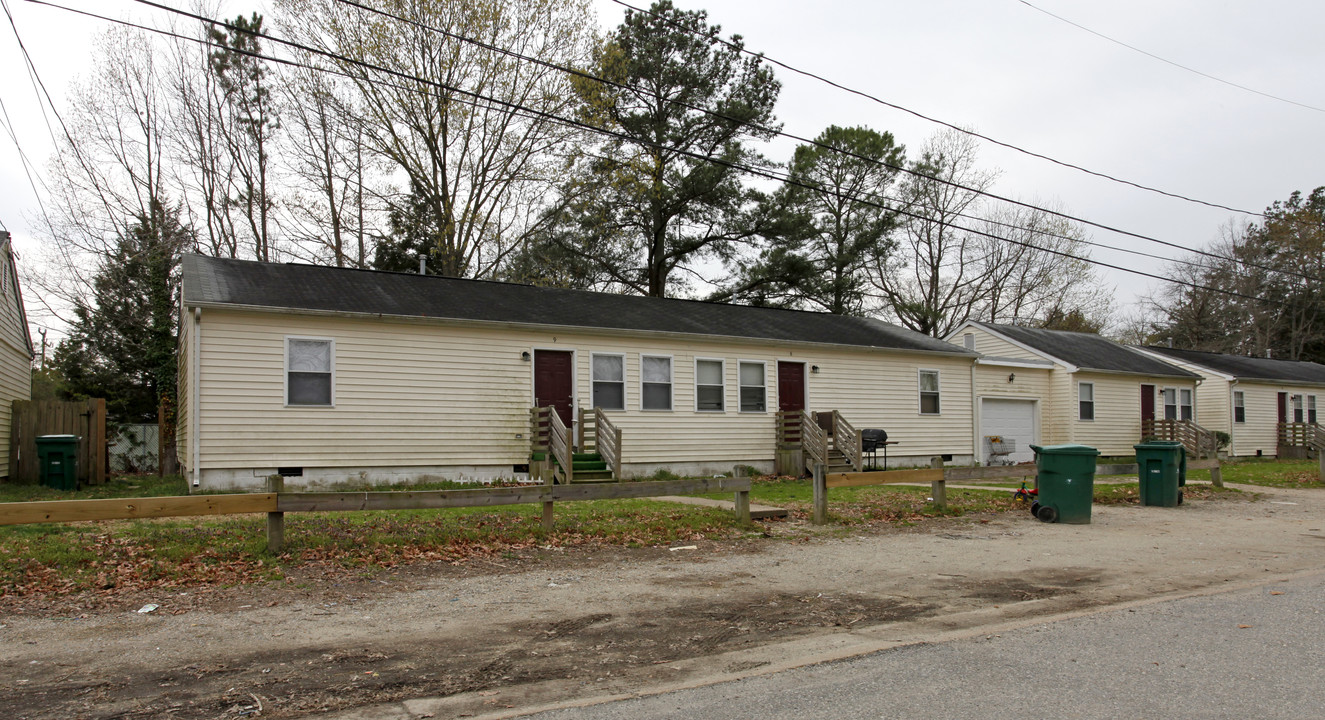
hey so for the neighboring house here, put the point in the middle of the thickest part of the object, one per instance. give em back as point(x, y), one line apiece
point(1053, 387)
point(338, 375)
point(1267, 406)
point(15, 346)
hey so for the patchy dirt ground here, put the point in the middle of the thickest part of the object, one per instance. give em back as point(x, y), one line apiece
point(496, 638)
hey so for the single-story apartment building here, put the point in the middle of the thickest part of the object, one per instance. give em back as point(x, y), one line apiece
point(1051, 387)
point(1264, 404)
point(332, 375)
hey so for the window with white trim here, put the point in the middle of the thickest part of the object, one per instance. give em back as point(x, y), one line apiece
point(709, 390)
point(1311, 409)
point(308, 371)
point(1085, 401)
point(1239, 407)
point(1185, 410)
point(1170, 403)
point(656, 382)
point(753, 388)
point(929, 392)
point(607, 375)
point(968, 341)
point(1297, 408)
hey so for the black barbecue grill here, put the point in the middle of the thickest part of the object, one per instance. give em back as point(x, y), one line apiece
point(871, 439)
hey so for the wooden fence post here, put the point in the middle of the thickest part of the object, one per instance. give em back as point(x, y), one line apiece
point(938, 489)
point(275, 520)
point(548, 478)
point(742, 496)
point(820, 495)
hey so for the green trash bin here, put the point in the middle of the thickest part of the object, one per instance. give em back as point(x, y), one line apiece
point(58, 457)
point(1161, 469)
point(1065, 479)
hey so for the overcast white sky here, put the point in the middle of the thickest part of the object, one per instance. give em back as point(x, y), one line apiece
point(997, 66)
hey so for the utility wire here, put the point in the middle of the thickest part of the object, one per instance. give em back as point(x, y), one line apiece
point(951, 126)
point(840, 151)
point(1180, 66)
point(757, 172)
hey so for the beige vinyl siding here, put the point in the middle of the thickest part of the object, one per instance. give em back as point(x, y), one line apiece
point(15, 356)
point(1117, 424)
point(423, 394)
point(1214, 404)
point(183, 387)
point(992, 381)
point(1261, 430)
point(987, 343)
point(1061, 412)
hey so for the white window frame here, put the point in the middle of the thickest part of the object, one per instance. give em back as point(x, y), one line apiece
point(1296, 408)
point(592, 381)
point(722, 363)
point(1311, 409)
point(1164, 395)
point(1190, 405)
point(739, 403)
point(920, 392)
point(1091, 385)
point(671, 382)
point(285, 376)
point(1239, 403)
point(968, 341)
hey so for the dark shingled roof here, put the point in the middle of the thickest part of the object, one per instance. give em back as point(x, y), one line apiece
point(209, 280)
point(1088, 351)
point(1250, 368)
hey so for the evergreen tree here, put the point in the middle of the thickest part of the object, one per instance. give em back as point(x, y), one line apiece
point(121, 345)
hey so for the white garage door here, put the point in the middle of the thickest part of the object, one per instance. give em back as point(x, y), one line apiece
point(1013, 420)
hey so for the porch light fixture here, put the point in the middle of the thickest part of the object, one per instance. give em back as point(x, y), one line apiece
point(525, 356)
point(814, 368)
point(1012, 376)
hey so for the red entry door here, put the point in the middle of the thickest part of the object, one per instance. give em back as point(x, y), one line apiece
point(554, 381)
point(791, 386)
point(1283, 407)
point(1147, 402)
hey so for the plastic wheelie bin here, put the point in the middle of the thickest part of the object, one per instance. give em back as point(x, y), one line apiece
point(57, 456)
point(1065, 477)
point(1162, 469)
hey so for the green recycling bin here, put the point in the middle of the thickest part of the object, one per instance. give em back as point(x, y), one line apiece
point(1065, 478)
point(58, 457)
point(1162, 469)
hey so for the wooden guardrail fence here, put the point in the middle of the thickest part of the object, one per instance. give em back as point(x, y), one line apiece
point(938, 477)
point(276, 502)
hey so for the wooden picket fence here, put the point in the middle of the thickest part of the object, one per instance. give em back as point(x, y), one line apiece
point(34, 418)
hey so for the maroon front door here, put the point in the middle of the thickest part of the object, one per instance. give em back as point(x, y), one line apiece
point(791, 386)
point(554, 384)
point(1147, 403)
point(1283, 407)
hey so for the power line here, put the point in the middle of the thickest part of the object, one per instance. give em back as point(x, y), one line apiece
point(951, 126)
point(1180, 66)
point(757, 172)
point(589, 76)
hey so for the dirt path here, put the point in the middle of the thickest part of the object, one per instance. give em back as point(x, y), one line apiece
point(552, 627)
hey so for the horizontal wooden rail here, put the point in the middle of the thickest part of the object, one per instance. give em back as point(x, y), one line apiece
point(133, 508)
point(995, 472)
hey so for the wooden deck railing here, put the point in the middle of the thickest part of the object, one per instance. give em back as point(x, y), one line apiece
point(538, 429)
point(814, 440)
point(1198, 441)
point(1301, 434)
point(846, 440)
point(598, 434)
point(559, 443)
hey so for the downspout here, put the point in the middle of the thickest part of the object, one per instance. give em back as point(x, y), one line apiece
point(196, 376)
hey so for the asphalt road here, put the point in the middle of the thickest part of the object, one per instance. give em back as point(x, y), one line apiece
point(1251, 653)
